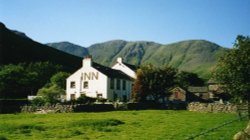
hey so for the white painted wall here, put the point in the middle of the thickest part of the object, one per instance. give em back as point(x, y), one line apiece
point(98, 83)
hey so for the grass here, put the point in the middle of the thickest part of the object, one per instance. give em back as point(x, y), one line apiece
point(123, 125)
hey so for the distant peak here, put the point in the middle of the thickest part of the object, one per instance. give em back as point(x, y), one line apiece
point(195, 41)
point(115, 41)
point(63, 43)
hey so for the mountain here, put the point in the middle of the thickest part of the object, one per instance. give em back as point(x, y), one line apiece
point(198, 56)
point(69, 48)
point(20, 34)
point(17, 48)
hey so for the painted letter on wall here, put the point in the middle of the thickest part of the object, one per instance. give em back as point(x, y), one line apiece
point(90, 76)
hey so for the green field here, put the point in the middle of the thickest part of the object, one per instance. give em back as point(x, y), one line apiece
point(119, 125)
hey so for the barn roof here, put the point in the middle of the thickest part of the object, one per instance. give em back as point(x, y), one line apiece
point(132, 67)
point(198, 89)
point(112, 73)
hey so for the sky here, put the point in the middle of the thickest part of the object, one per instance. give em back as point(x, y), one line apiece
point(86, 22)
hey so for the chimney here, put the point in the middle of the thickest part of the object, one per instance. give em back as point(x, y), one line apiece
point(119, 60)
point(87, 61)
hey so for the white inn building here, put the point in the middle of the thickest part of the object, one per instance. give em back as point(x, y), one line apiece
point(95, 80)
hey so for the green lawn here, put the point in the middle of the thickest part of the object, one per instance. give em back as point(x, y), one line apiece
point(118, 125)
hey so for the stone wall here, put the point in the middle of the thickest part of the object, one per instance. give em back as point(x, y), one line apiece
point(58, 108)
point(212, 107)
point(47, 109)
point(194, 106)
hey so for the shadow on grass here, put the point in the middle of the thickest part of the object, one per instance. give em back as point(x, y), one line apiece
point(105, 125)
point(3, 137)
point(21, 128)
point(101, 123)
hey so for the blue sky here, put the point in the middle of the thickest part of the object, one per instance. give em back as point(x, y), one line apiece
point(85, 22)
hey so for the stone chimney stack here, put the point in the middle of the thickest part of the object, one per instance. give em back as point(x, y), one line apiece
point(87, 61)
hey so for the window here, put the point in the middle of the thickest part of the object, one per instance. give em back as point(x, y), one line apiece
point(112, 83)
point(72, 84)
point(114, 96)
point(118, 84)
point(86, 84)
point(124, 85)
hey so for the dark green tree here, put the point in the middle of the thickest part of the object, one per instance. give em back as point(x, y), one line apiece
point(44, 71)
point(13, 80)
point(59, 79)
point(153, 82)
point(55, 89)
point(233, 70)
point(185, 79)
point(18, 81)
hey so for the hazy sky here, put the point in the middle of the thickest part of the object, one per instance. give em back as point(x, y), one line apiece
point(85, 22)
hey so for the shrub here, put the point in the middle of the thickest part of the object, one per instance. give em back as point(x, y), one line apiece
point(51, 93)
point(85, 100)
point(38, 101)
point(102, 100)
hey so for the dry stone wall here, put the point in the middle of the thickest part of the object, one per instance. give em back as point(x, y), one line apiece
point(212, 107)
point(67, 108)
point(48, 109)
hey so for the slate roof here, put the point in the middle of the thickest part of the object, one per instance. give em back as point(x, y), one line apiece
point(132, 67)
point(198, 89)
point(112, 73)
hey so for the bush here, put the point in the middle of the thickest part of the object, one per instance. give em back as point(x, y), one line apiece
point(38, 101)
point(85, 100)
point(51, 93)
point(102, 100)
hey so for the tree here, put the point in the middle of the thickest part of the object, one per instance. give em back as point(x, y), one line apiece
point(185, 79)
point(44, 71)
point(233, 70)
point(153, 82)
point(51, 93)
point(12, 78)
point(18, 81)
point(15, 81)
point(59, 79)
point(53, 90)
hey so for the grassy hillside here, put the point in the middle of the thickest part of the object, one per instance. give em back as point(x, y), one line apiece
point(70, 48)
point(16, 48)
point(122, 125)
point(197, 56)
